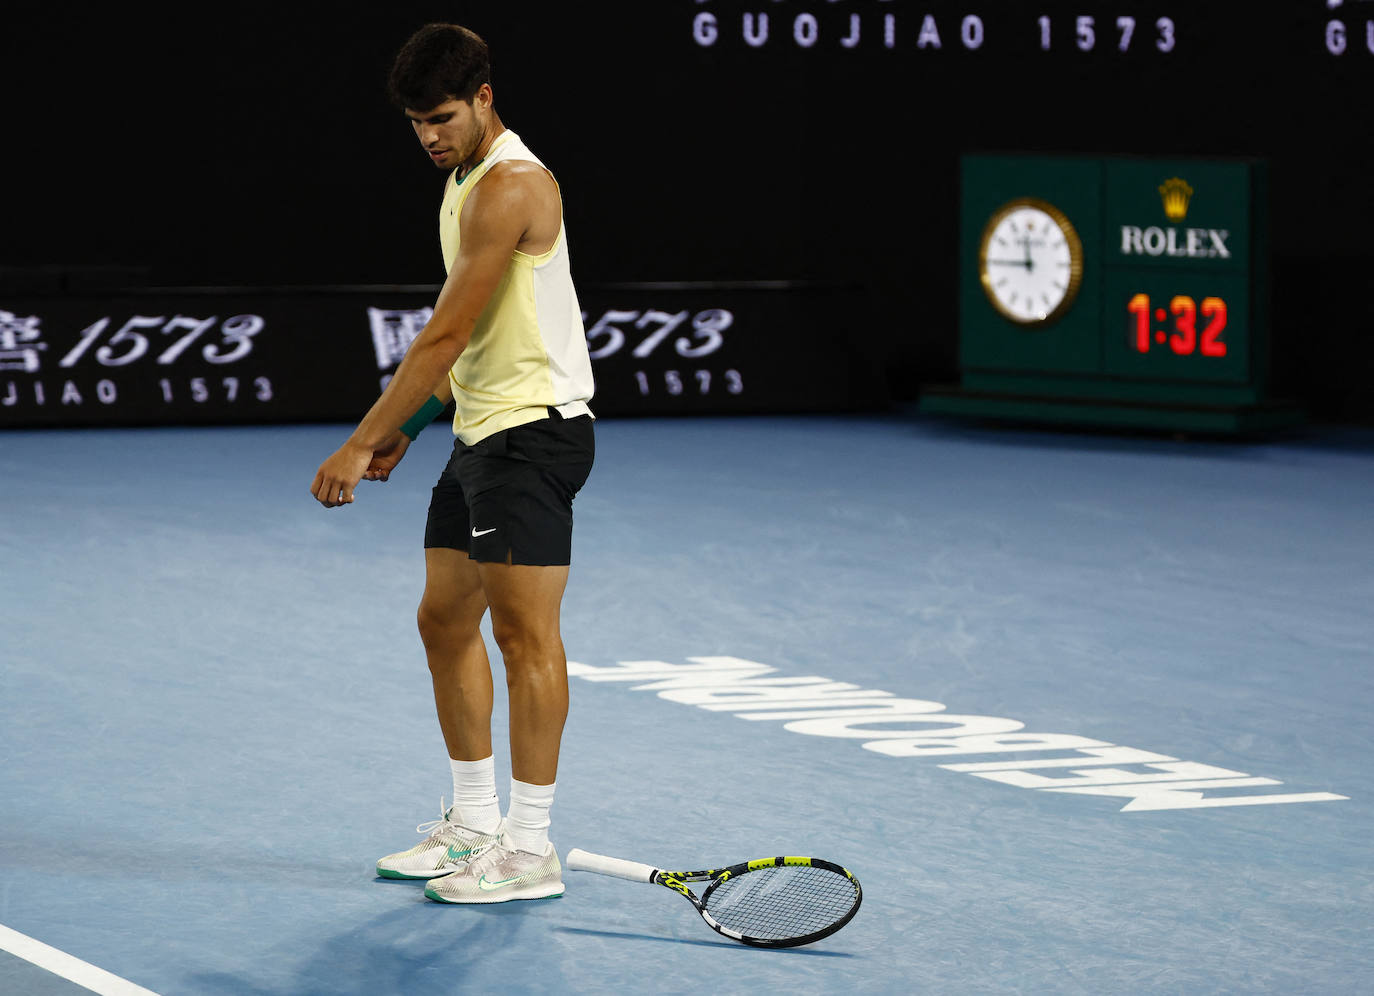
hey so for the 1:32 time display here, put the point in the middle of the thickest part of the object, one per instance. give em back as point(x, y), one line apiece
point(1146, 325)
point(1167, 324)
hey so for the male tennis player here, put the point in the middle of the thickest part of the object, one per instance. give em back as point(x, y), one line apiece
point(506, 344)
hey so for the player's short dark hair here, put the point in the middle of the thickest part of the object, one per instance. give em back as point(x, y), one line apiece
point(440, 62)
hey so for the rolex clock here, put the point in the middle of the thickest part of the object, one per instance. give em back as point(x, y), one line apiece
point(1030, 261)
point(1126, 291)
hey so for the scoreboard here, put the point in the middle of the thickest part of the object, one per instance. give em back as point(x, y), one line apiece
point(1118, 291)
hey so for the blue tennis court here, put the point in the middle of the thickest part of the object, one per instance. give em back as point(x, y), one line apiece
point(1084, 713)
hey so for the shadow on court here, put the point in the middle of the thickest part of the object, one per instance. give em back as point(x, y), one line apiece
point(468, 948)
point(626, 936)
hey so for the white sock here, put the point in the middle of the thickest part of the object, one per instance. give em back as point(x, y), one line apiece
point(527, 823)
point(475, 805)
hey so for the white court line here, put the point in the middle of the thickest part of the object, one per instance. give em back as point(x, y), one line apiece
point(73, 969)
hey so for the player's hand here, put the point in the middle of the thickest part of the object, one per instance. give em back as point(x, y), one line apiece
point(339, 475)
point(386, 457)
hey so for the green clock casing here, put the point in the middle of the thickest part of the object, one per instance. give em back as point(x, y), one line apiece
point(1115, 291)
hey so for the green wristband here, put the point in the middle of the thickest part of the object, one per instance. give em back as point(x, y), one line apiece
point(423, 417)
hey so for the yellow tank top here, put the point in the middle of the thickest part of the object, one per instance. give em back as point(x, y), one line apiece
point(528, 352)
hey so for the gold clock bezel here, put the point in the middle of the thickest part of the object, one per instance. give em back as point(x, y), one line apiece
point(1075, 259)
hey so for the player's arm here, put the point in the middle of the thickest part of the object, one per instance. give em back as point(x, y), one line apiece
point(389, 454)
point(494, 220)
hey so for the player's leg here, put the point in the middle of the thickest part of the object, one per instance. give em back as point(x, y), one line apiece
point(525, 604)
point(449, 617)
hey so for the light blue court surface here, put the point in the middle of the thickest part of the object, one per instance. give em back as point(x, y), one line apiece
point(215, 713)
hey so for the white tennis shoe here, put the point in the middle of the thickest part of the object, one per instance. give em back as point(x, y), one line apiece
point(448, 847)
point(500, 874)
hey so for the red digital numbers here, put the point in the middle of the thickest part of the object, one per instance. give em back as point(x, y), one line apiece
point(1215, 309)
point(1184, 339)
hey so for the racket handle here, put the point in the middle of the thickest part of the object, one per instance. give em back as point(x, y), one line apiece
point(580, 860)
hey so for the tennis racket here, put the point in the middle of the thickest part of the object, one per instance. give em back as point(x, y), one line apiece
point(770, 902)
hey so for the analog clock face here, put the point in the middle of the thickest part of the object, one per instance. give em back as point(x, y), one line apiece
point(1030, 261)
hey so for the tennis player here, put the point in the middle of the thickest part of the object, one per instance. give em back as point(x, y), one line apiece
point(506, 344)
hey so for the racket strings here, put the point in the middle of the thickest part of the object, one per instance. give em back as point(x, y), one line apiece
point(782, 902)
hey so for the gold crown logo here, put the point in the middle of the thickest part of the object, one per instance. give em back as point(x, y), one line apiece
point(1175, 193)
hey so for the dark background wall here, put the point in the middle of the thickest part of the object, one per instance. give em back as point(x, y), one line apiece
point(253, 144)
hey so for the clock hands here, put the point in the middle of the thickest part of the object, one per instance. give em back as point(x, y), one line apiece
point(1028, 262)
point(1010, 262)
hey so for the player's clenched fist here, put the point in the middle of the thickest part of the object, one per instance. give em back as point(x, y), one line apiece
point(340, 474)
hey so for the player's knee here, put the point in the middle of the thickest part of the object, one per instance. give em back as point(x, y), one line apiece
point(522, 645)
point(511, 638)
point(442, 621)
point(430, 623)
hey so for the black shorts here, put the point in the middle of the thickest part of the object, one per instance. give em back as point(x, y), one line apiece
point(508, 498)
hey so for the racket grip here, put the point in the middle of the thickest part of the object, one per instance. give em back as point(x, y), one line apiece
point(580, 860)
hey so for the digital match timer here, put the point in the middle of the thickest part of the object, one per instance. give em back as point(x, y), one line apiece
point(1185, 337)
